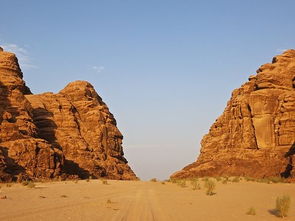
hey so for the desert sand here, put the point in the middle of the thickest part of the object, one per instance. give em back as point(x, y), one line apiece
point(139, 200)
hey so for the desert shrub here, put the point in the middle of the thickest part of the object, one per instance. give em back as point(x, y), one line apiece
point(25, 182)
point(249, 178)
point(153, 180)
point(182, 183)
point(205, 178)
point(236, 179)
point(87, 180)
point(31, 185)
point(63, 196)
point(224, 181)
point(251, 211)
point(163, 182)
point(210, 186)
point(105, 182)
point(195, 185)
point(195, 179)
point(276, 179)
point(283, 205)
point(218, 178)
point(173, 180)
point(9, 185)
point(263, 180)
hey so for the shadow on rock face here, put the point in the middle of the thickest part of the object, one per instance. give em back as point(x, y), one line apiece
point(288, 171)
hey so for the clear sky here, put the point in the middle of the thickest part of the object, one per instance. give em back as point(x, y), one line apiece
point(165, 68)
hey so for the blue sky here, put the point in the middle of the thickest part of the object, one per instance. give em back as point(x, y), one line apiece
point(165, 68)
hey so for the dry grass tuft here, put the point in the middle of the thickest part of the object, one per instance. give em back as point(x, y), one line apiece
point(283, 205)
point(31, 185)
point(195, 184)
point(210, 186)
point(251, 211)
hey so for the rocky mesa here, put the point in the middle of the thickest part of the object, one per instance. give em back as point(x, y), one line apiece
point(71, 134)
point(255, 135)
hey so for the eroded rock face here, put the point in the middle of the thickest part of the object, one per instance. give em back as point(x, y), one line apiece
point(69, 134)
point(22, 154)
point(255, 135)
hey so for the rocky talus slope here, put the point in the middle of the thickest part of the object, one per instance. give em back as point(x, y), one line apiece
point(255, 135)
point(70, 134)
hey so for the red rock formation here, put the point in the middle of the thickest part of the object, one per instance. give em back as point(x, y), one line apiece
point(22, 154)
point(255, 135)
point(69, 134)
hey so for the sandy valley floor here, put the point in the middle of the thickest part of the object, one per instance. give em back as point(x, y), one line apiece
point(138, 200)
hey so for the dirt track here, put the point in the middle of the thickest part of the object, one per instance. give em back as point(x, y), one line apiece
point(136, 200)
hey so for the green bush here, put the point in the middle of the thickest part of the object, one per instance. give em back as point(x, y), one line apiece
point(283, 205)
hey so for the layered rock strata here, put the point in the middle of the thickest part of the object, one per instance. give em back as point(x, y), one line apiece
point(68, 135)
point(255, 135)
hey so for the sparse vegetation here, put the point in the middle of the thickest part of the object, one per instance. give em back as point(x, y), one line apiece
point(205, 178)
point(31, 185)
point(104, 182)
point(251, 211)
point(263, 180)
point(25, 183)
point(236, 179)
point(218, 178)
point(154, 180)
point(210, 186)
point(163, 182)
point(28, 184)
point(173, 180)
point(9, 185)
point(182, 183)
point(249, 178)
point(276, 179)
point(283, 205)
point(195, 184)
point(225, 180)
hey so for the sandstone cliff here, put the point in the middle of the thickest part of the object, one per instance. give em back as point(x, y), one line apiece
point(255, 135)
point(69, 134)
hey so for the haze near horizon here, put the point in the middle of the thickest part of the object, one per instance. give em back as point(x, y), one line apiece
point(165, 68)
